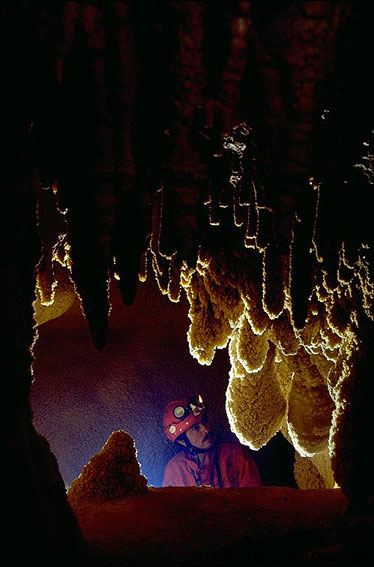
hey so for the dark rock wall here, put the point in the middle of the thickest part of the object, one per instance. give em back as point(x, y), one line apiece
point(109, 118)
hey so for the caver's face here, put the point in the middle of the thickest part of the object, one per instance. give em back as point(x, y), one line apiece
point(200, 435)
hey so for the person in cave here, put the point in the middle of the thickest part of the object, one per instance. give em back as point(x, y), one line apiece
point(203, 461)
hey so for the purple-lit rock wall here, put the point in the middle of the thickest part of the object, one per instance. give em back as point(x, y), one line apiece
point(81, 395)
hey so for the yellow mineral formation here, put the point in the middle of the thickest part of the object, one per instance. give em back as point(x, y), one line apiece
point(314, 472)
point(255, 404)
point(111, 474)
point(309, 409)
point(209, 329)
point(251, 349)
point(61, 298)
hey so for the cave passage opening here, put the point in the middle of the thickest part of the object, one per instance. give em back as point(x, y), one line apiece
point(81, 395)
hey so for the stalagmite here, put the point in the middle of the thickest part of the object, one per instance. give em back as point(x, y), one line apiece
point(231, 160)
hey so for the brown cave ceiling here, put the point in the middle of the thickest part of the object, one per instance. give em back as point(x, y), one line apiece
point(226, 147)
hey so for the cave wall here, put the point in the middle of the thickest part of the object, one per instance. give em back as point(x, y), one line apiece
point(80, 395)
point(152, 172)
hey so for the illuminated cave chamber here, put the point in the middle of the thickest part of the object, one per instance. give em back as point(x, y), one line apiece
point(247, 200)
point(286, 374)
point(283, 376)
point(227, 147)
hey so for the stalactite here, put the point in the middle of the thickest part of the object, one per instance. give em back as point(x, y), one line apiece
point(302, 268)
point(128, 242)
point(352, 428)
point(52, 230)
point(209, 329)
point(251, 350)
point(315, 472)
point(232, 160)
point(274, 280)
point(86, 97)
point(255, 405)
point(283, 335)
point(309, 408)
point(91, 162)
point(183, 173)
point(301, 374)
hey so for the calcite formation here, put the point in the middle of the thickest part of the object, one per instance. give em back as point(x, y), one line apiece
point(111, 474)
point(282, 376)
point(228, 148)
point(233, 185)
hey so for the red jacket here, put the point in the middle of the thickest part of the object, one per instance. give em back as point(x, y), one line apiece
point(237, 468)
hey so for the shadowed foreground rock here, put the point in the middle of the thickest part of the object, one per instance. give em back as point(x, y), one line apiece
point(111, 474)
point(226, 527)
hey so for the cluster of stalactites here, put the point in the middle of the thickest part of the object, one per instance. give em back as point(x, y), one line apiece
point(284, 377)
point(55, 290)
point(281, 377)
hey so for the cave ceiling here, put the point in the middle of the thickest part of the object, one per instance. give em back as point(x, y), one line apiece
point(225, 149)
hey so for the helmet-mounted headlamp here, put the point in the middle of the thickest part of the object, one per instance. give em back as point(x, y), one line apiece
point(195, 406)
point(180, 415)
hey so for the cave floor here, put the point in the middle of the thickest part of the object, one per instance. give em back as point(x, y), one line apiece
point(227, 527)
